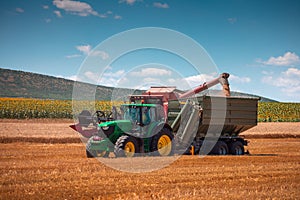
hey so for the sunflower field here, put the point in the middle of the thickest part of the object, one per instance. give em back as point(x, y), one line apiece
point(24, 108)
point(278, 112)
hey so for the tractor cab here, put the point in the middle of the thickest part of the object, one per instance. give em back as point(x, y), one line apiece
point(140, 129)
point(142, 114)
point(137, 119)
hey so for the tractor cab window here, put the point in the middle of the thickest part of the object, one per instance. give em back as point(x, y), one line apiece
point(142, 115)
point(146, 115)
point(130, 113)
point(160, 114)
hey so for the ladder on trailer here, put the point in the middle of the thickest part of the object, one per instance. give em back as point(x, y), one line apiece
point(186, 124)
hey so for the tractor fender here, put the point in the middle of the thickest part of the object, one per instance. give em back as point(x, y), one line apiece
point(168, 127)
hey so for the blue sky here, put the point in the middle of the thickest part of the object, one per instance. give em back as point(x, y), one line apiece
point(255, 41)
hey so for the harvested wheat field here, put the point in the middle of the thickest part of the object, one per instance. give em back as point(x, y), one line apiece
point(56, 168)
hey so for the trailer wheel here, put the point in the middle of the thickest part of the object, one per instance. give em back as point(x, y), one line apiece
point(220, 148)
point(162, 143)
point(126, 146)
point(94, 153)
point(236, 148)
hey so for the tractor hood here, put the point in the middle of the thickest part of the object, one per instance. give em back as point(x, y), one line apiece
point(124, 125)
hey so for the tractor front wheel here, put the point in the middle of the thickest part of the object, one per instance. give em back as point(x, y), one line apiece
point(162, 143)
point(126, 146)
point(95, 153)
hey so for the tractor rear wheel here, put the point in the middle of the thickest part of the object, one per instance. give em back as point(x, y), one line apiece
point(236, 148)
point(220, 148)
point(126, 146)
point(94, 153)
point(162, 144)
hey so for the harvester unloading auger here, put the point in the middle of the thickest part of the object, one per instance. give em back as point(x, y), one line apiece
point(163, 121)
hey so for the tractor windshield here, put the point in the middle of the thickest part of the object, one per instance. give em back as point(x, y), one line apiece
point(142, 115)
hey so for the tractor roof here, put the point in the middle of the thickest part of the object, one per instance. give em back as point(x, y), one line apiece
point(140, 105)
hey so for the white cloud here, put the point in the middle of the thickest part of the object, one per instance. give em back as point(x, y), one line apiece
point(73, 56)
point(87, 50)
point(108, 78)
point(102, 54)
point(153, 76)
point(239, 79)
point(199, 79)
point(57, 13)
point(129, 2)
point(92, 77)
point(108, 67)
point(171, 80)
point(117, 74)
point(72, 77)
point(266, 72)
point(288, 59)
point(102, 15)
point(75, 7)
point(151, 80)
point(20, 10)
point(160, 5)
point(45, 7)
point(109, 82)
point(47, 20)
point(151, 72)
point(232, 20)
point(287, 82)
point(112, 79)
point(117, 17)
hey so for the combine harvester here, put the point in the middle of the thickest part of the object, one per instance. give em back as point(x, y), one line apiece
point(163, 121)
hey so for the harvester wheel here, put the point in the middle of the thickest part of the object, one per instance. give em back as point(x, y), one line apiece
point(236, 148)
point(220, 148)
point(94, 153)
point(126, 146)
point(162, 143)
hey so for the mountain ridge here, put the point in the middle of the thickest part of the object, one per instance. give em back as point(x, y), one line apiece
point(17, 83)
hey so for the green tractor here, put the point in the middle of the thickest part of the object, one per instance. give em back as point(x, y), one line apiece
point(140, 131)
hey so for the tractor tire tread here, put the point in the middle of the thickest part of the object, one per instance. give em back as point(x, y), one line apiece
point(155, 138)
point(120, 144)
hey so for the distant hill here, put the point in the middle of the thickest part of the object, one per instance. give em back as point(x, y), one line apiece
point(262, 99)
point(15, 83)
point(31, 85)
